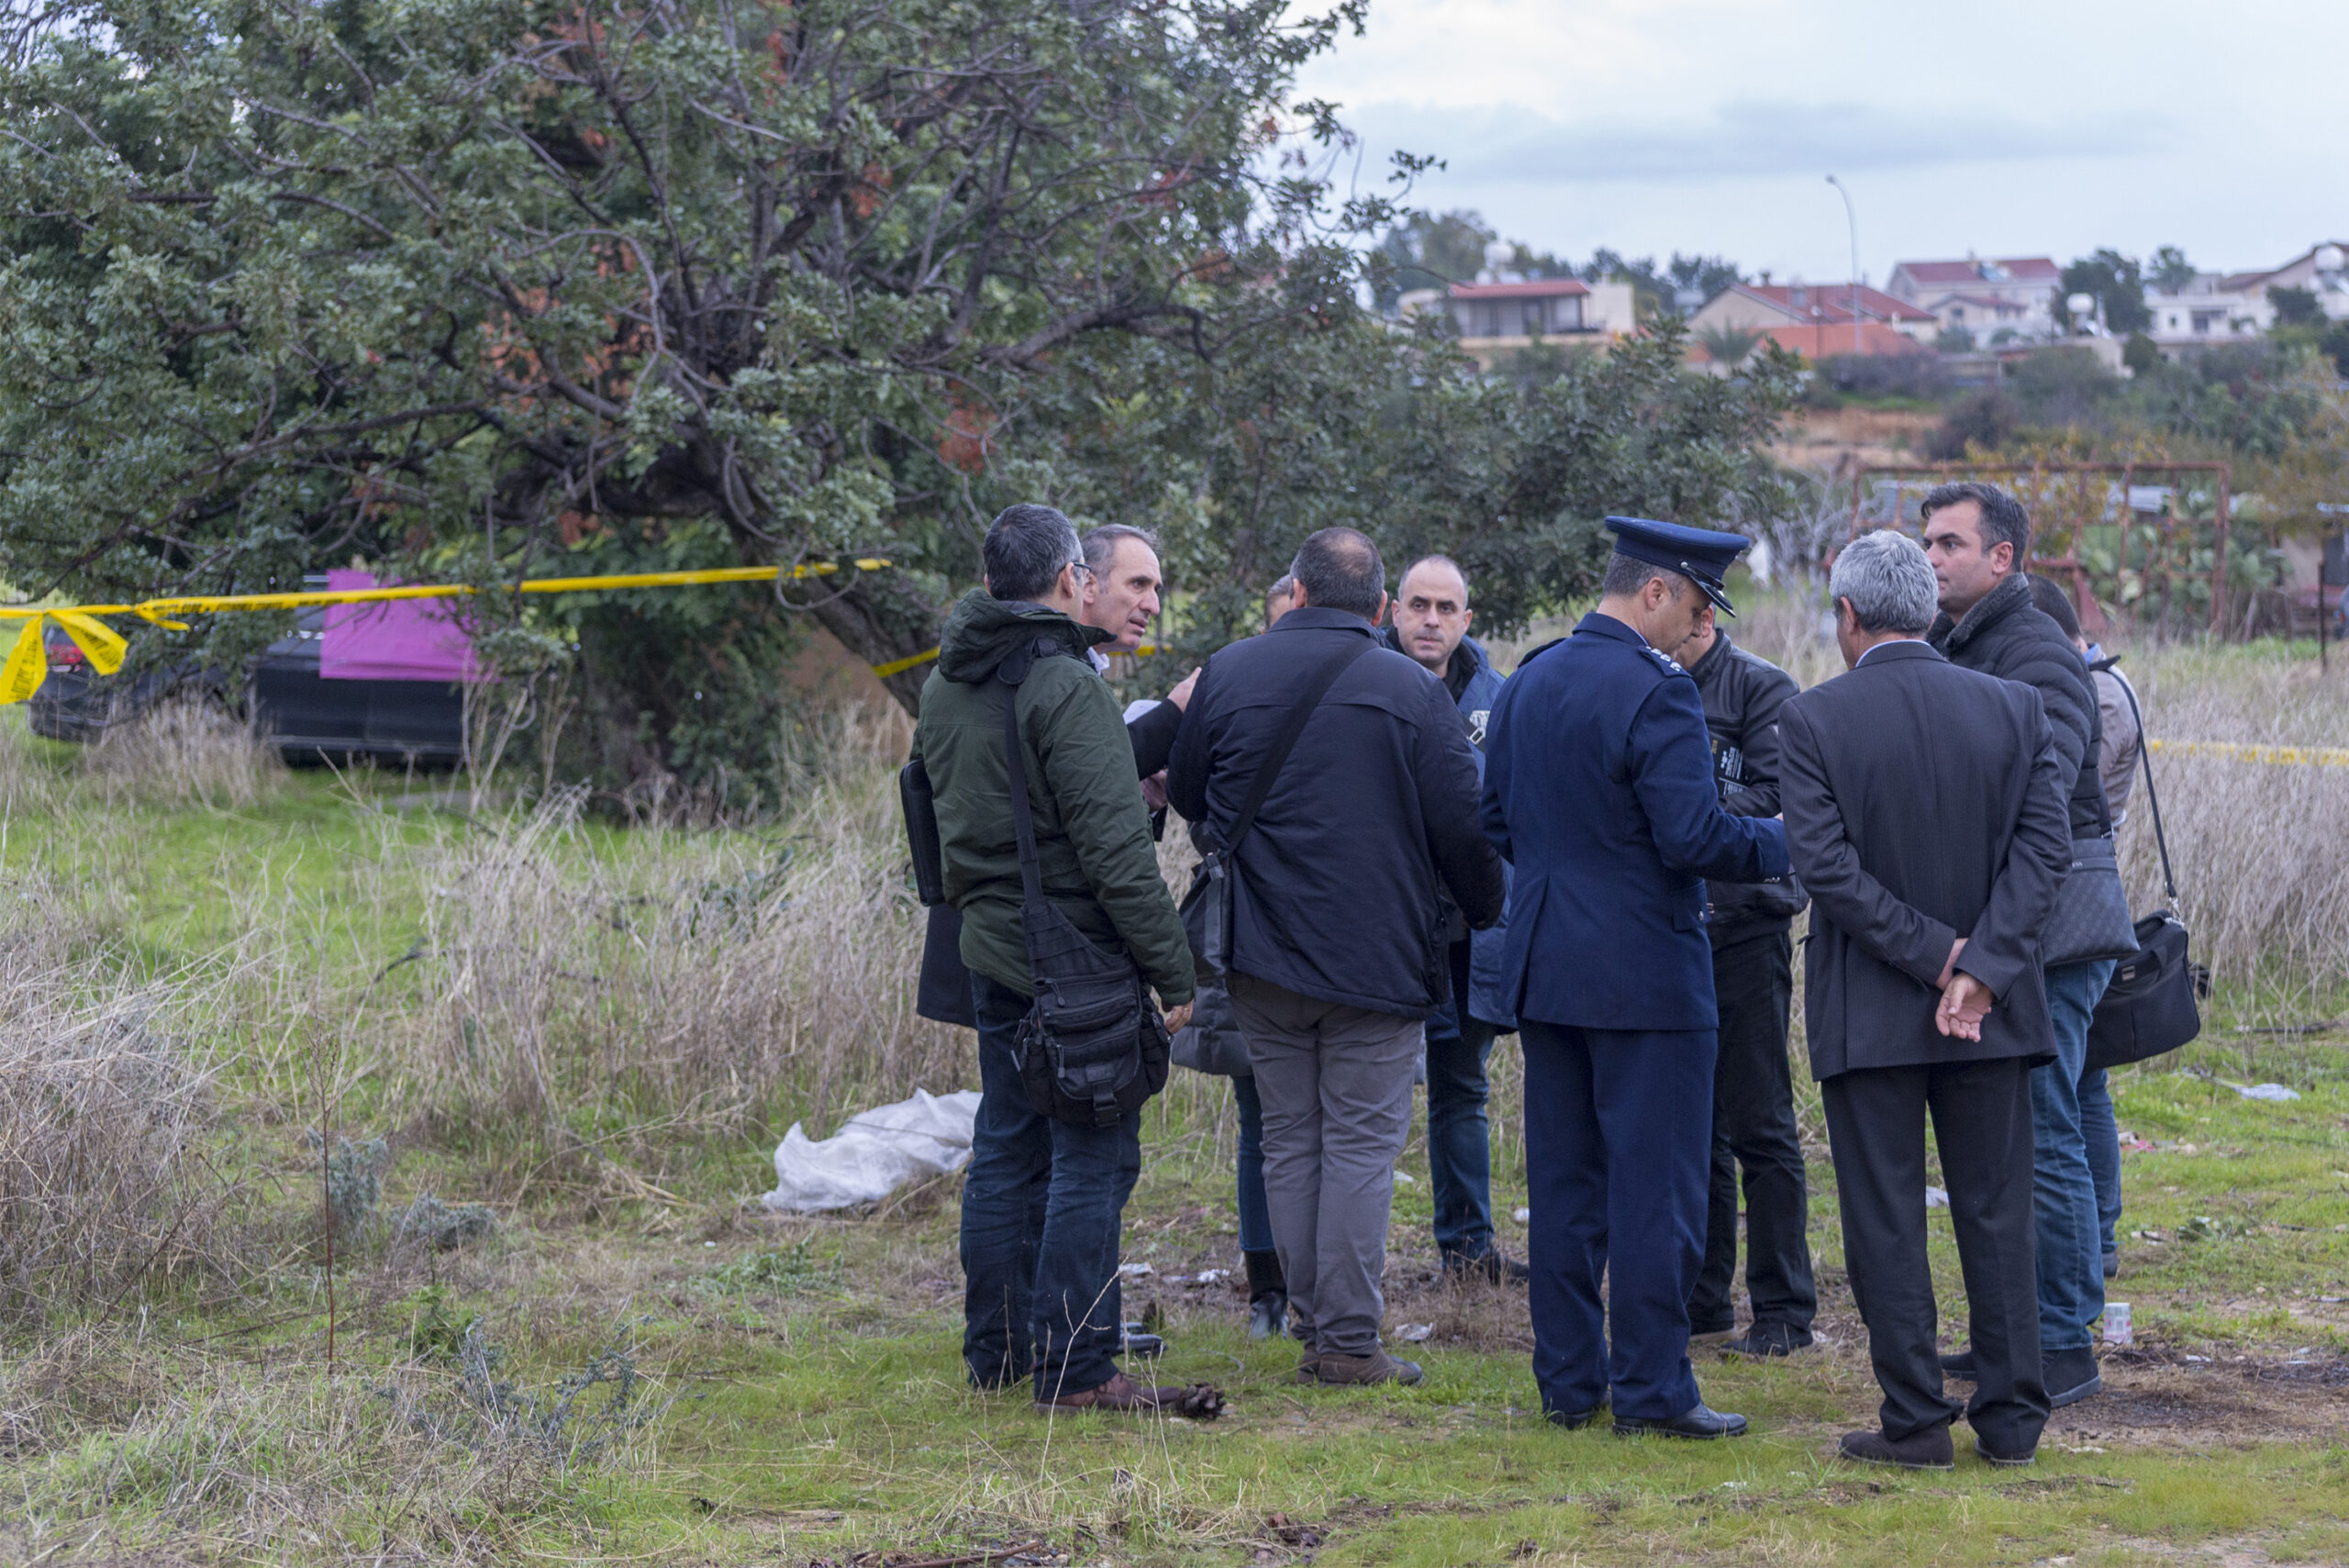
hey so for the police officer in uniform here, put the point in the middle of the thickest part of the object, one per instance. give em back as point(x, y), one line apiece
point(1598, 788)
point(1753, 1096)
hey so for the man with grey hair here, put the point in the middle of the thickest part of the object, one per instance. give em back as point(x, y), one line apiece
point(1043, 1198)
point(1925, 816)
point(1979, 539)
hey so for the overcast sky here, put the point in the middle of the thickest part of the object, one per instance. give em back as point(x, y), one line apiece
point(2004, 127)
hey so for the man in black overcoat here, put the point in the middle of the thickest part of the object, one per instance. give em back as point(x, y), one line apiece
point(1925, 815)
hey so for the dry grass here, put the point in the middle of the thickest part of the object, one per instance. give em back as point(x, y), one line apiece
point(101, 1110)
point(183, 753)
point(688, 988)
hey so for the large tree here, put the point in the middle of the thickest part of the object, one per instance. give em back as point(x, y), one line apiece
point(473, 284)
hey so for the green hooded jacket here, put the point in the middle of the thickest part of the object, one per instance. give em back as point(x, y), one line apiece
point(1092, 830)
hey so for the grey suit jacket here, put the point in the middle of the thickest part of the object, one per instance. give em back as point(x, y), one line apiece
point(1923, 803)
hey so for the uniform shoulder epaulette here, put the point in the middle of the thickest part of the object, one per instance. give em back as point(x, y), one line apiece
point(1671, 666)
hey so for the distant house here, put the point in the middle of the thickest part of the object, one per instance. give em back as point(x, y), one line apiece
point(2218, 307)
point(2009, 294)
point(2202, 311)
point(1818, 309)
point(2322, 269)
point(1494, 320)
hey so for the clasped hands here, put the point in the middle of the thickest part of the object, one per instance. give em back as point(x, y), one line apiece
point(1965, 1001)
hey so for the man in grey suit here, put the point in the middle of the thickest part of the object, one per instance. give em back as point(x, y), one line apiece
point(1925, 813)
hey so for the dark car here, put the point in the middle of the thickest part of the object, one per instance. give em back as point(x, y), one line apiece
point(305, 717)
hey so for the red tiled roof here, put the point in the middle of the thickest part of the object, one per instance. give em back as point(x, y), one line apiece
point(1540, 288)
point(1827, 341)
point(2019, 269)
point(1833, 302)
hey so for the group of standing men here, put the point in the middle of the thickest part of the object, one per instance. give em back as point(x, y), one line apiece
point(1624, 816)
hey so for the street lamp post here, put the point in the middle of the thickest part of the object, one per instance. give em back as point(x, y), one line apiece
point(1851, 217)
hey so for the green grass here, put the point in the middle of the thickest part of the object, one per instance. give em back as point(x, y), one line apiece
point(821, 1412)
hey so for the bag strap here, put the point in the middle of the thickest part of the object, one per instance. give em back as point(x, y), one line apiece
point(1294, 726)
point(2145, 755)
point(1023, 820)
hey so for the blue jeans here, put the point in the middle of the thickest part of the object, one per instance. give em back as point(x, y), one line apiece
point(1256, 1213)
point(2101, 1130)
point(1460, 1148)
point(2064, 1211)
point(1041, 1206)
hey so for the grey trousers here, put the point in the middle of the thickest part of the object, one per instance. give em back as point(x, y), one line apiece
point(1336, 1086)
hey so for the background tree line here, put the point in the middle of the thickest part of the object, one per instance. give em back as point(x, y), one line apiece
point(489, 289)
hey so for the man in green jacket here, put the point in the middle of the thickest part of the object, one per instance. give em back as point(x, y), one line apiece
point(1042, 1199)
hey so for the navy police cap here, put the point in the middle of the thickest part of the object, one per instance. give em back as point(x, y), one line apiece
point(1699, 554)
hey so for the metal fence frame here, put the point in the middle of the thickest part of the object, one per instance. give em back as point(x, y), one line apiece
point(2029, 481)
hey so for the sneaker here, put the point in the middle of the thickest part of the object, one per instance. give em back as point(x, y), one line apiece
point(1331, 1369)
point(1992, 1456)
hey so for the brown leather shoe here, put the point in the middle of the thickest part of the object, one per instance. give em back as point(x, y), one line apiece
point(1197, 1401)
point(1309, 1367)
point(1358, 1371)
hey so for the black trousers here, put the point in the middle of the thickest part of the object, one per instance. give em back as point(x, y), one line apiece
point(1755, 1127)
point(1981, 1111)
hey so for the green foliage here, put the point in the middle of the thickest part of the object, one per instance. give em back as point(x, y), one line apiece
point(436, 1329)
point(2141, 354)
point(788, 1272)
point(1511, 475)
point(1427, 251)
point(2296, 306)
point(1728, 345)
point(2119, 285)
point(468, 286)
point(2170, 269)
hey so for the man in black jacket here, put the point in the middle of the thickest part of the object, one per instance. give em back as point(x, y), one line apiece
point(1923, 817)
point(1977, 538)
point(1753, 1096)
point(1337, 929)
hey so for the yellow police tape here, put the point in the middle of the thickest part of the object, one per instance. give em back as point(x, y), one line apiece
point(2241, 751)
point(28, 662)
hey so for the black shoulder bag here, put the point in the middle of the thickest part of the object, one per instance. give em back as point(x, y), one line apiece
point(1206, 904)
point(1092, 1047)
point(2150, 1007)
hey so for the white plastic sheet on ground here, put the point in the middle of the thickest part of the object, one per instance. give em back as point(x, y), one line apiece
point(875, 1153)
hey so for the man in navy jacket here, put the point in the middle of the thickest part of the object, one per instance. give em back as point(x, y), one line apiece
point(1599, 789)
point(1428, 624)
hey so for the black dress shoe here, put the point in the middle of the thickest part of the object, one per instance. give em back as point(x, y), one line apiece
point(1766, 1340)
point(2071, 1376)
point(1928, 1450)
point(1696, 1422)
point(1959, 1368)
point(2112, 1265)
point(1573, 1420)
